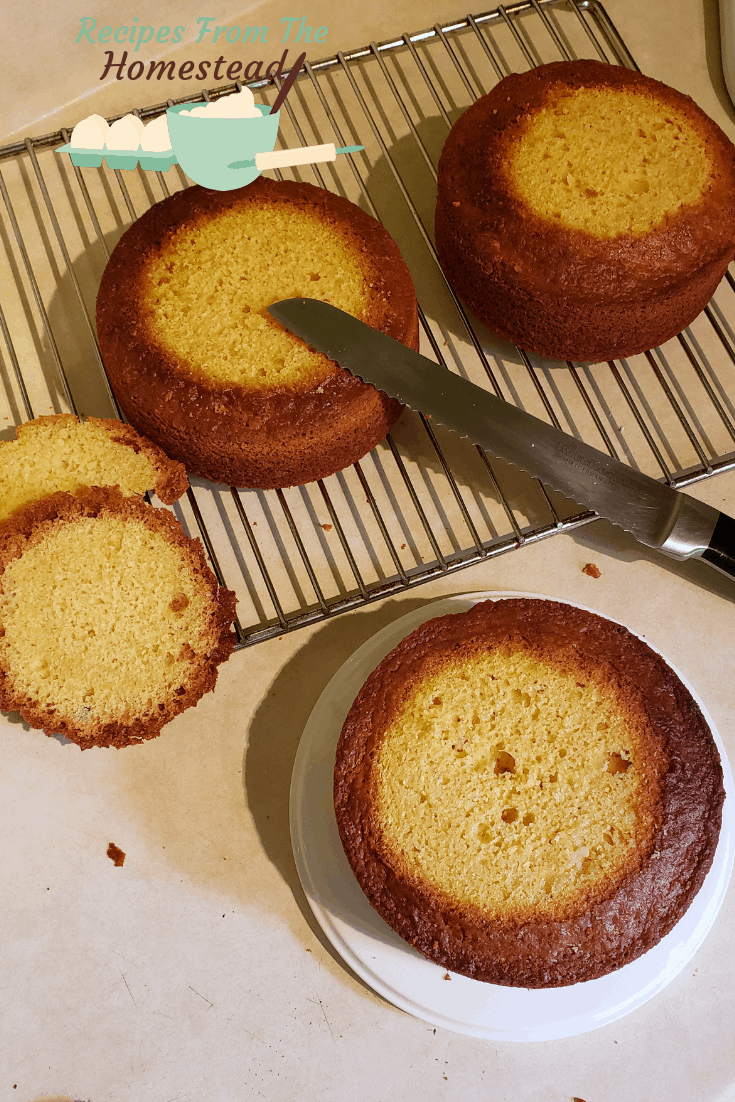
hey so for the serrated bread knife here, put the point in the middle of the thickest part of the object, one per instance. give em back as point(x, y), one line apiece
point(657, 515)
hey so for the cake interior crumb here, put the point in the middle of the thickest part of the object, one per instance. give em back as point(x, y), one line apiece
point(205, 295)
point(107, 632)
point(515, 784)
point(608, 161)
point(51, 456)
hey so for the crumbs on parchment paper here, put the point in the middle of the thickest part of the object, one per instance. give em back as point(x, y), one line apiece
point(116, 855)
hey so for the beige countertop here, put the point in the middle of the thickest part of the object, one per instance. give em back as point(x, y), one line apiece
point(195, 972)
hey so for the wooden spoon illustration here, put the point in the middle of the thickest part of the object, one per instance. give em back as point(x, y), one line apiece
point(286, 86)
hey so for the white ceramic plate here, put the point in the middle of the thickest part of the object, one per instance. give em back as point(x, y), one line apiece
point(401, 974)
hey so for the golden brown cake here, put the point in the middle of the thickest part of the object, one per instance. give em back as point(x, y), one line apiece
point(111, 621)
point(527, 793)
point(584, 211)
point(61, 453)
point(197, 363)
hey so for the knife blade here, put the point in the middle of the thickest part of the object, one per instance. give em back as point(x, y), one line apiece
point(656, 514)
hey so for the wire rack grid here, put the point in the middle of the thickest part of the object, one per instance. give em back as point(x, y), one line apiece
point(424, 503)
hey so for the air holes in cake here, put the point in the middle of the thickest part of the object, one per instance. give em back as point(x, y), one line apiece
point(562, 752)
point(617, 764)
point(314, 277)
point(179, 602)
point(484, 827)
point(504, 763)
point(579, 857)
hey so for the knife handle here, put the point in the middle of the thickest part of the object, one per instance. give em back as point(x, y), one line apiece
point(721, 550)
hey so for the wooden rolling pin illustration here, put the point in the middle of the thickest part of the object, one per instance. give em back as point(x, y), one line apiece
point(288, 158)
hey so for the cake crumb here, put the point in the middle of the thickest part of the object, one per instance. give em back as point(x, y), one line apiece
point(327, 527)
point(446, 976)
point(591, 570)
point(116, 855)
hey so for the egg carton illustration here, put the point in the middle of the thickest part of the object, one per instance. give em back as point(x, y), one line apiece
point(118, 158)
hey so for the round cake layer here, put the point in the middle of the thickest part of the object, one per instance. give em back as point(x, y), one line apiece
point(111, 620)
point(584, 211)
point(527, 793)
point(198, 364)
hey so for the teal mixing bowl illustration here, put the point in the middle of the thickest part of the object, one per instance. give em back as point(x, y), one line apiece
point(206, 147)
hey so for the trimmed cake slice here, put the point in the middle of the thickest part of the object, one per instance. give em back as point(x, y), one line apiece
point(61, 453)
point(111, 621)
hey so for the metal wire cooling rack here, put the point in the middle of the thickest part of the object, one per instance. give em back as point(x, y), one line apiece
point(424, 502)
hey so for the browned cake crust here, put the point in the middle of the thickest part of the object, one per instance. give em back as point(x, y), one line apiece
point(561, 292)
point(272, 437)
point(29, 527)
point(597, 935)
